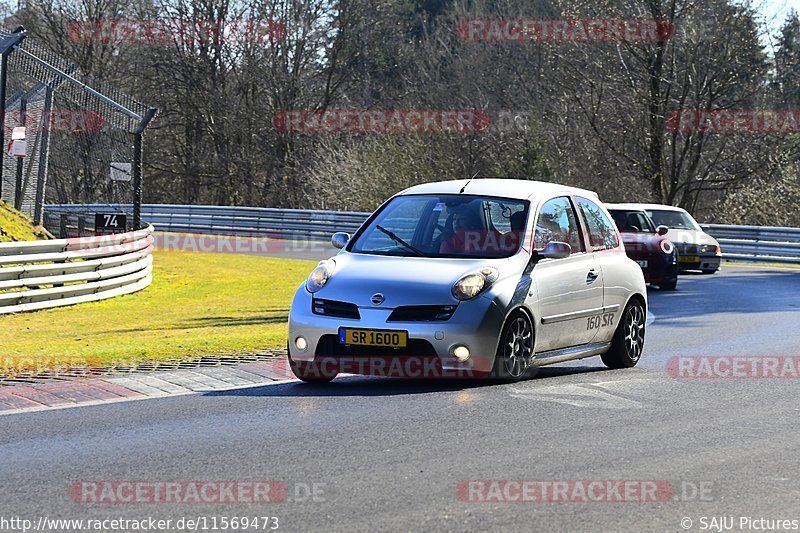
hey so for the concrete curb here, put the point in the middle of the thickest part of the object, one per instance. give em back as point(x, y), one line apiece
point(139, 385)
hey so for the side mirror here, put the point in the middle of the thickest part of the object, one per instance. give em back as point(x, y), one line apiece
point(340, 239)
point(662, 230)
point(556, 250)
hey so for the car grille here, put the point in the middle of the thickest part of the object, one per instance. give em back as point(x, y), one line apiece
point(328, 346)
point(334, 308)
point(687, 249)
point(422, 313)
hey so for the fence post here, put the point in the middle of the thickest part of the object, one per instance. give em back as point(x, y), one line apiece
point(7, 45)
point(44, 153)
point(137, 167)
point(44, 147)
point(18, 192)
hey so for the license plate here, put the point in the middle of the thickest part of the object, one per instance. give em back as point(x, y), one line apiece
point(373, 337)
point(689, 259)
point(642, 264)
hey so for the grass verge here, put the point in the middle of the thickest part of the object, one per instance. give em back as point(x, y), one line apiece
point(199, 304)
point(14, 226)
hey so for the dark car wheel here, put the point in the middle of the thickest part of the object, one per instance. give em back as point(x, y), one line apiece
point(669, 285)
point(628, 342)
point(515, 352)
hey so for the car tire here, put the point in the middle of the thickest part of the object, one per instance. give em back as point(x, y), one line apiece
point(310, 372)
point(669, 286)
point(628, 342)
point(515, 350)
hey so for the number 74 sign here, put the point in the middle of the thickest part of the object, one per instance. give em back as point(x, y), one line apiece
point(109, 222)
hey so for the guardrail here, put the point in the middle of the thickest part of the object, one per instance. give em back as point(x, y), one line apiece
point(738, 243)
point(215, 220)
point(762, 244)
point(43, 274)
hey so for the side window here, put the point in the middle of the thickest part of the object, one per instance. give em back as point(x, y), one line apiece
point(557, 222)
point(602, 234)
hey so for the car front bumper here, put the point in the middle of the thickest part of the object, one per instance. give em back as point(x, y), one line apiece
point(705, 261)
point(660, 268)
point(475, 323)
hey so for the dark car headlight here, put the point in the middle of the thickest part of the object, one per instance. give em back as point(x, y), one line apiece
point(667, 247)
point(709, 248)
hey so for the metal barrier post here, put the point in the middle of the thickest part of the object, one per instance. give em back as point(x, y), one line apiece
point(137, 167)
point(7, 46)
point(18, 192)
point(44, 152)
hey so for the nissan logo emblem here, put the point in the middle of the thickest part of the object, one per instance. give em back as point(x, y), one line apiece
point(377, 298)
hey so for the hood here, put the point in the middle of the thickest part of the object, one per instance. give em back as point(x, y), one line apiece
point(639, 237)
point(642, 242)
point(688, 236)
point(401, 280)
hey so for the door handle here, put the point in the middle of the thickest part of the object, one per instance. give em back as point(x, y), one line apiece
point(591, 276)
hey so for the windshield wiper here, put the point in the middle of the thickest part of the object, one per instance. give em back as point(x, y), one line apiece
point(398, 240)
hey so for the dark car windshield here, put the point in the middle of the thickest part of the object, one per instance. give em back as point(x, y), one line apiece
point(632, 220)
point(448, 225)
point(673, 219)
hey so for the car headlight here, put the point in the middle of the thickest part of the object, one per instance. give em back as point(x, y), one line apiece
point(709, 248)
point(471, 285)
point(667, 247)
point(319, 276)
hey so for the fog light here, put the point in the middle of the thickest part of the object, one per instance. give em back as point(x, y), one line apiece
point(461, 353)
point(301, 344)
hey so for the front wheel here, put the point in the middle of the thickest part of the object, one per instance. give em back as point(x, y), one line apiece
point(515, 352)
point(311, 372)
point(669, 286)
point(628, 342)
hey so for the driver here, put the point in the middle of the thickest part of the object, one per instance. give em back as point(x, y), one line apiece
point(469, 234)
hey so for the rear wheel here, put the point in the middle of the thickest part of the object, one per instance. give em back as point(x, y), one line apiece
point(628, 341)
point(515, 352)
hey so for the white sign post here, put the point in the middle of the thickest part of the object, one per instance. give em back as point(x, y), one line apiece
point(18, 145)
point(121, 172)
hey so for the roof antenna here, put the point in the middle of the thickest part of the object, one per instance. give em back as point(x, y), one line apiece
point(469, 180)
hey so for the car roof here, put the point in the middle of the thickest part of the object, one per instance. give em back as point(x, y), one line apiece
point(640, 207)
point(506, 188)
point(624, 207)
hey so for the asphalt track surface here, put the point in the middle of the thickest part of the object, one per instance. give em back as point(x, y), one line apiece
point(388, 455)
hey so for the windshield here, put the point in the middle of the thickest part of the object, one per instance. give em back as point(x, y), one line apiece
point(632, 221)
point(673, 219)
point(448, 225)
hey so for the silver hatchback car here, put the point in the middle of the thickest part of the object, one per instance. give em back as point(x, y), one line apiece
point(471, 278)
